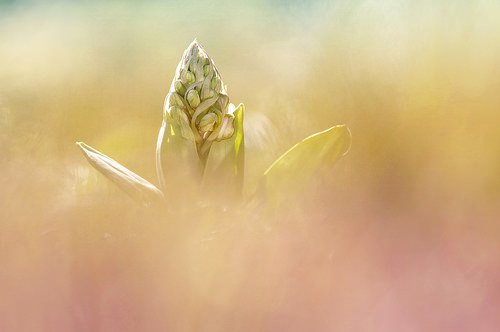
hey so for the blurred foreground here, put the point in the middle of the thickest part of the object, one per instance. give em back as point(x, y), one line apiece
point(403, 235)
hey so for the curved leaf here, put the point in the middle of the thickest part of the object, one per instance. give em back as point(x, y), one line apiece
point(134, 185)
point(306, 160)
point(177, 163)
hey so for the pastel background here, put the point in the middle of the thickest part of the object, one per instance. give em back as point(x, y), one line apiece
point(402, 235)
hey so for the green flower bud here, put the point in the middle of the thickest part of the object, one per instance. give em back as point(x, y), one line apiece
point(190, 78)
point(217, 112)
point(208, 93)
point(179, 87)
point(227, 128)
point(196, 65)
point(223, 101)
point(207, 122)
point(200, 100)
point(193, 98)
point(187, 77)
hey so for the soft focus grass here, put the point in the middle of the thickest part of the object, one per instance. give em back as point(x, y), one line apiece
point(403, 234)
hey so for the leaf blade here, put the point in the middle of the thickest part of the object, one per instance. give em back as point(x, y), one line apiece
point(177, 164)
point(134, 185)
point(306, 159)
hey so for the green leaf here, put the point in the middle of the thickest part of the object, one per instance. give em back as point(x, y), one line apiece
point(305, 161)
point(177, 163)
point(134, 185)
point(225, 166)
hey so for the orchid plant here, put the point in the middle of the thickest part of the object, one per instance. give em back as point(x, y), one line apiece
point(201, 145)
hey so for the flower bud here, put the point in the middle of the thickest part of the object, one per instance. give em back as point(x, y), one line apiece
point(208, 93)
point(227, 128)
point(179, 87)
point(196, 66)
point(187, 77)
point(223, 101)
point(198, 101)
point(207, 122)
point(193, 98)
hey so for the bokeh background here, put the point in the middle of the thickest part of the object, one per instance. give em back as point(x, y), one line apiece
point(402, 235)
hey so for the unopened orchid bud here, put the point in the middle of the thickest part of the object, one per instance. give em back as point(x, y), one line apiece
point(193, 98)
point(208, 93)
point(207, 122)
point(196, 66)
point(223, 101)
point(191, 77)
point(187, 77)
point(201, 101)
point(227, 128)
point(179, 87)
